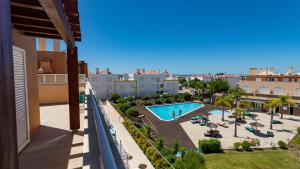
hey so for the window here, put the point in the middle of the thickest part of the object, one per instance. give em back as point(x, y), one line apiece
point(157, 79)
point(258, 79)
point(263, 90)
point(247, 89)
point(278, 91)
point(297, 92)
point(285, 79)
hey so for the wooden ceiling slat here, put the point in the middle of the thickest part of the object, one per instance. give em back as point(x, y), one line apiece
point(33, 13)
point(37, 30)
point(42, 35)
point(31, 18)
point(27, 2)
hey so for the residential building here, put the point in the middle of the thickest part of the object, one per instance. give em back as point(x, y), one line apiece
point(139, 83)
point(262, 84)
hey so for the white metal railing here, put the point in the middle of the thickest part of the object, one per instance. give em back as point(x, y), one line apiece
point(58, 78)
point(117, 140)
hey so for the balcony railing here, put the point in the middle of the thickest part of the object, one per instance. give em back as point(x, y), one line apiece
point(58, 78)
point(107, 159)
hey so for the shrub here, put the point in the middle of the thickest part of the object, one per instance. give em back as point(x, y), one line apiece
point(191, 160)
point(159, 143)
point(158, 101)
point(123, 107)
point(209, 146)
point(132, 112)
point(114, 97)
point(168, 100)
point(298, 130)
point(237, 146)
point(187, 96)
point(282, 144)
point(121, 100)
point(246, 145)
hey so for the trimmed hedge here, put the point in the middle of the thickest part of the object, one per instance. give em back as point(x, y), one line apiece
point(155, 158)
point(298, 130)
point(210, 146)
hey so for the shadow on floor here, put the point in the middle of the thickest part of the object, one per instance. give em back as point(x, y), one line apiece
point(49, 148)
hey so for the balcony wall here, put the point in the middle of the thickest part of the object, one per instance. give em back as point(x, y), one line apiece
point(28, 44)
point(53, 88)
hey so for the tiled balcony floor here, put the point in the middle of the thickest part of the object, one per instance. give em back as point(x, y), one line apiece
point(54, 146)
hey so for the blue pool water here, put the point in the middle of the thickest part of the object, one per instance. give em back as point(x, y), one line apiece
point(218, 112)
point(165, 112)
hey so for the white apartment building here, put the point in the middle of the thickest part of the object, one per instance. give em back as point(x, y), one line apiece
point(140, 83)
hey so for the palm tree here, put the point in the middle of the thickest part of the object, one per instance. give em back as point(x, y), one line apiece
point(283, 100)
point(237, 113)
point(245, 104)
point(271, 104)
point(291, 103)
point(224, 101)
point(236, 93)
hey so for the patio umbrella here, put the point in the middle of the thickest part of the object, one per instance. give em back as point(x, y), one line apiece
point(256, 124)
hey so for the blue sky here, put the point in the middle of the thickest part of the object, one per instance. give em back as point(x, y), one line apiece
point(190, 36)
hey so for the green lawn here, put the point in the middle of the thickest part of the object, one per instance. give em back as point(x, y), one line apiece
point(252, 160)
point(296, 141)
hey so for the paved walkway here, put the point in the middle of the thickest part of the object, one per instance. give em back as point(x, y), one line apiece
point(121, 132)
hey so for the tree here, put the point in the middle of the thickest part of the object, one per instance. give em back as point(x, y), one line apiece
point(236, 93)
point(245, 105)
point(132, 112)
point(218, 86)
point(284, 101)
point(237, 113)
point(114, 97)
point(223, 101)
point(271, 104)
point(183, 82)
point(198, 86)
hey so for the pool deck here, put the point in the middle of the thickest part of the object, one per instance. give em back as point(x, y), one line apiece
point(172, 130)
point(284, 132)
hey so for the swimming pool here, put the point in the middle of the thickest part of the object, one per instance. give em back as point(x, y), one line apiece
point(165, 112)
point(218, 112)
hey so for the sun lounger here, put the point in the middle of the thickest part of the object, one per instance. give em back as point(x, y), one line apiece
point(251, 129)
point(276, 122)
point(203, 122)
point(270, 134)
point(196, 117)
point(223, 125)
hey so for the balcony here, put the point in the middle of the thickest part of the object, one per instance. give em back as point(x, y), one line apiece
point(55, 146)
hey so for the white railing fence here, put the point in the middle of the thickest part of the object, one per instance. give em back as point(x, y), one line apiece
point(58, 78)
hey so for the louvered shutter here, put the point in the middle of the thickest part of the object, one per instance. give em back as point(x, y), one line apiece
point(19, 58)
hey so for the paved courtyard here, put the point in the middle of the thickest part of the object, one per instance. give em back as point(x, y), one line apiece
point(284, 132)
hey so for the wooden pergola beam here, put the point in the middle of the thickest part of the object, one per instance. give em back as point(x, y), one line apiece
point(56, 14)
point(8, 131)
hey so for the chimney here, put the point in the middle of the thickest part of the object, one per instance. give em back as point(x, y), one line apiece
point(97, 70)
point(42, 44)
point(267, 70)
point(260, 70)
point(107, 70)
point(143, 70)
point(56, 45)
point(291, 70)
point(271, 69)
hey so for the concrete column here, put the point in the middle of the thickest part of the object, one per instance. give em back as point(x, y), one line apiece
point(42, 44)
point(56, 45)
